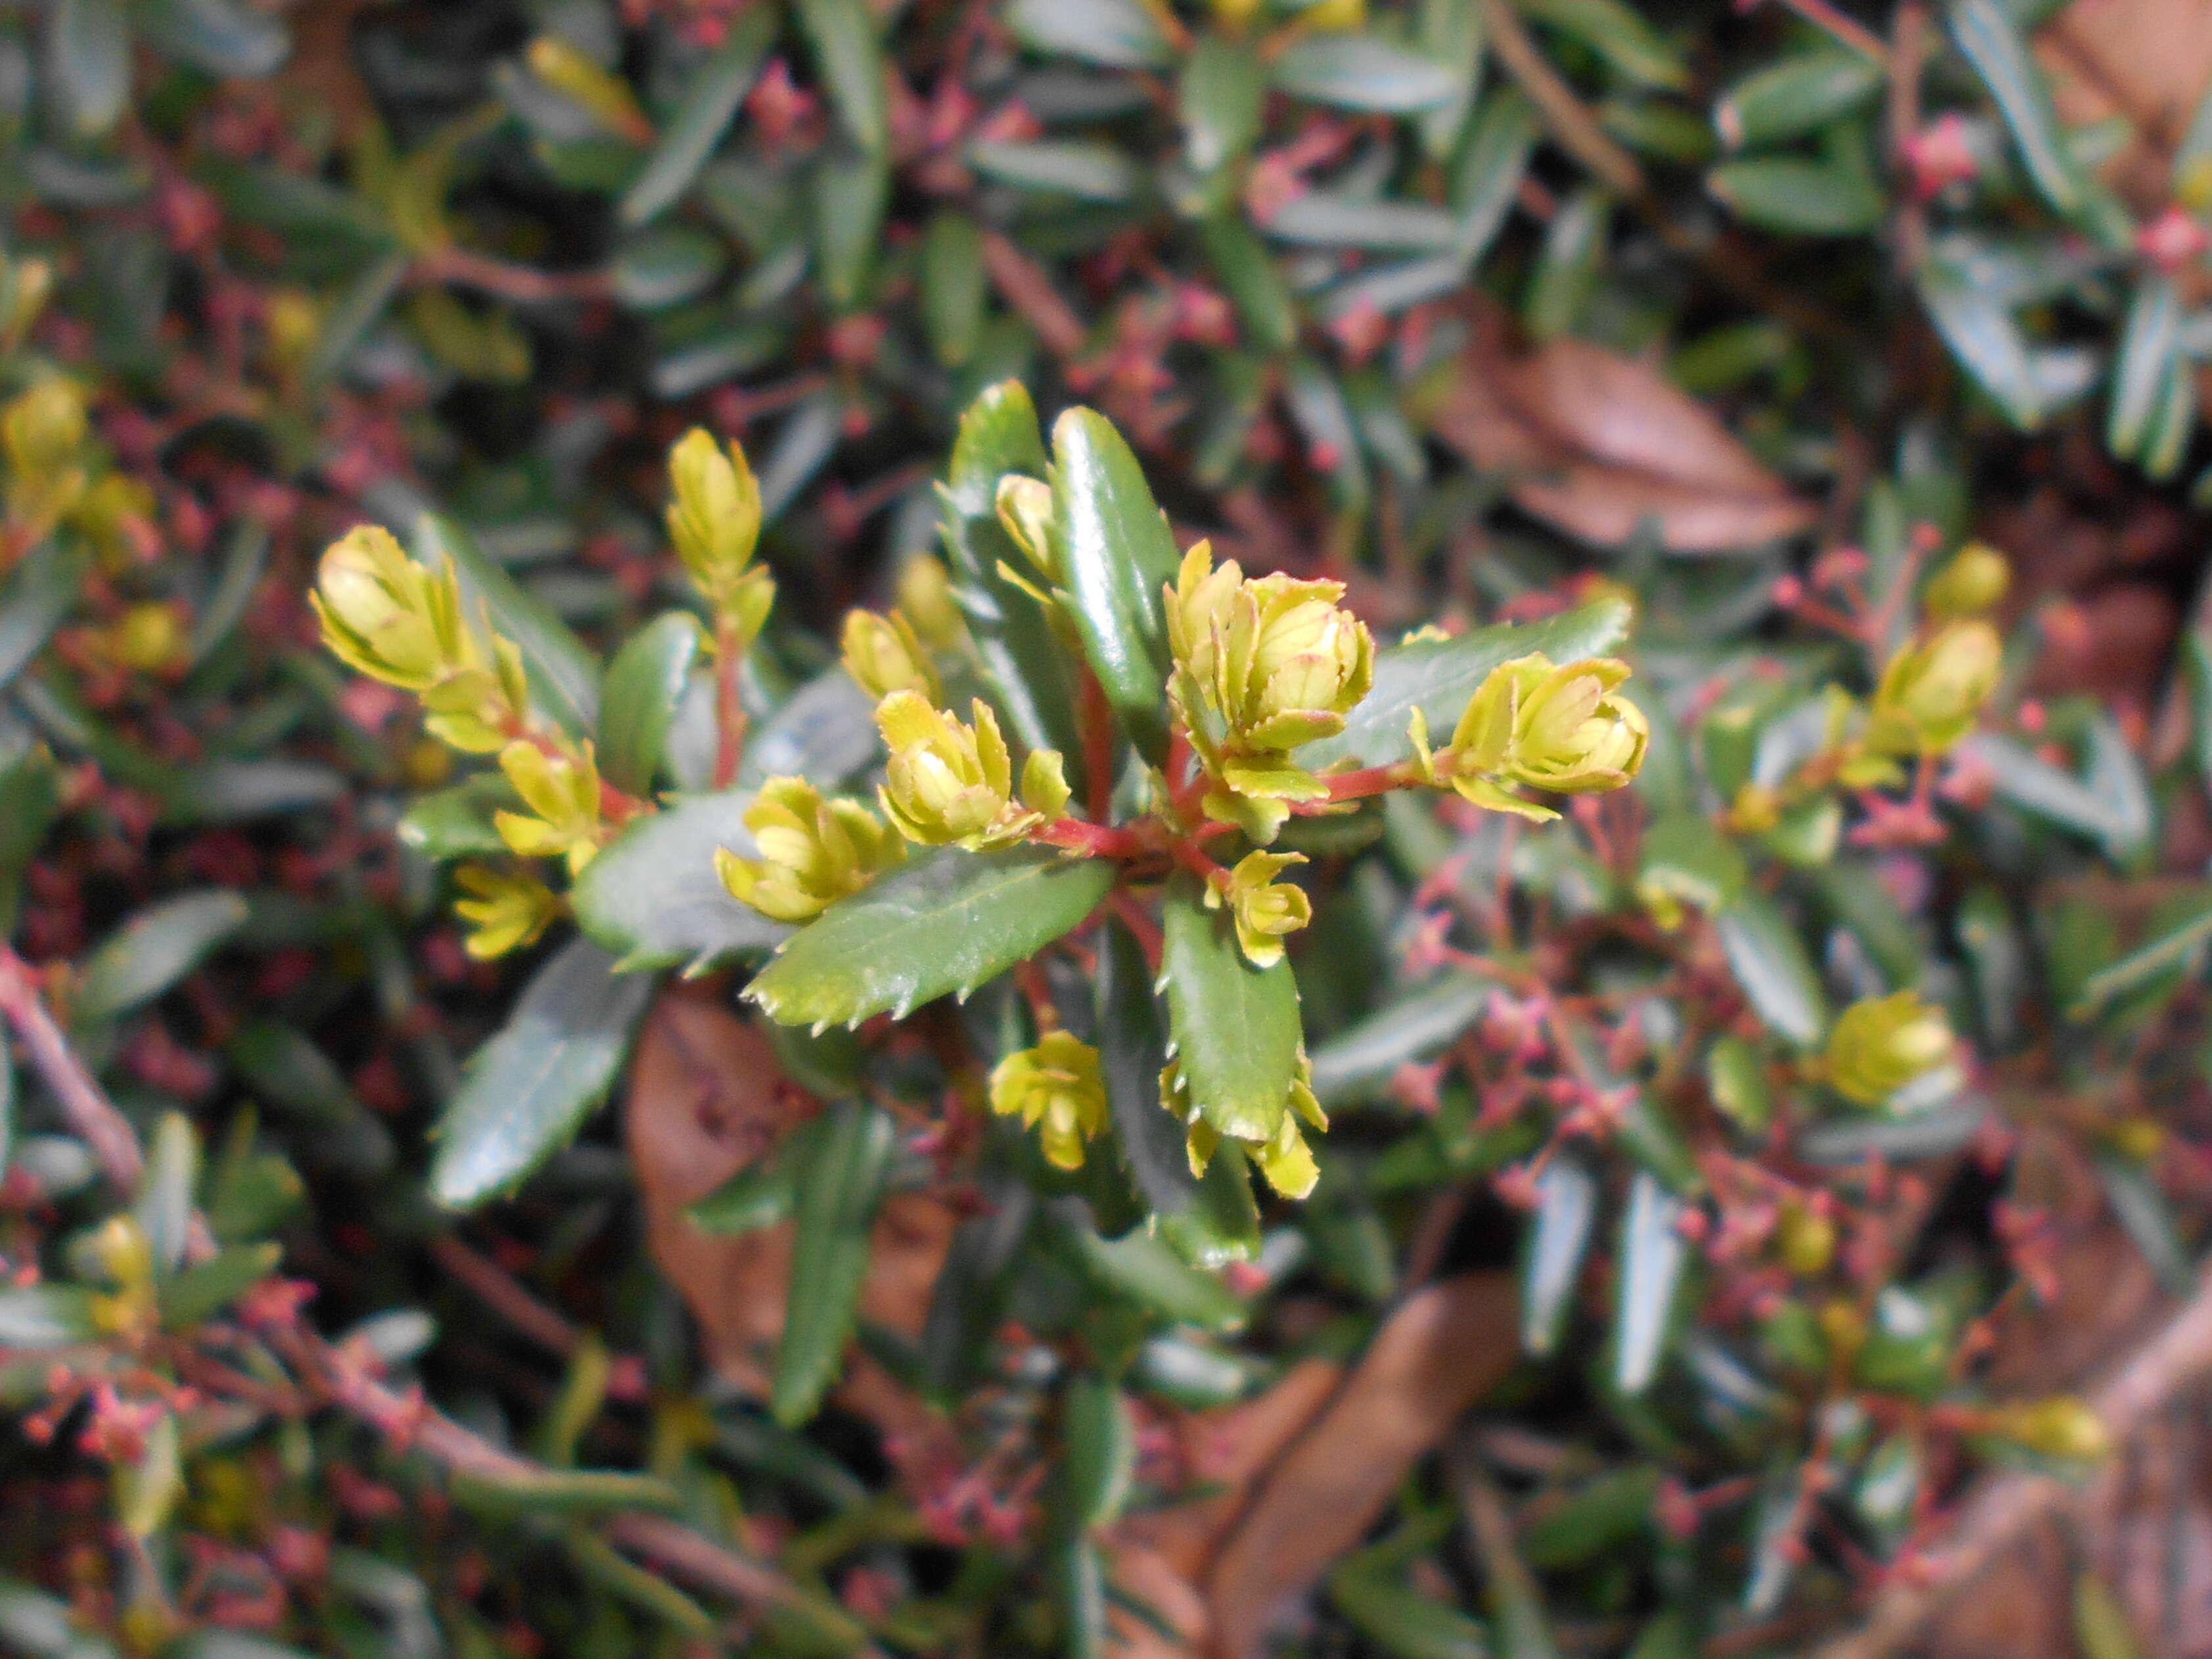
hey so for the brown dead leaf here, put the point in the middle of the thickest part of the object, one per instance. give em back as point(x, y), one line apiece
point(1596, 443)
point(707, 1097)
point(1435, 1356)
point(2148, 61)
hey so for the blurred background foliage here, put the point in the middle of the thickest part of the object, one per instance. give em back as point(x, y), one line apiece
point(1752, 315)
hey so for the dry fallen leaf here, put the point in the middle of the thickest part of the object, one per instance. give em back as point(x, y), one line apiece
point(2146, 61)
point(1596, 443)
point(1433, 1358)
point(707, 1097)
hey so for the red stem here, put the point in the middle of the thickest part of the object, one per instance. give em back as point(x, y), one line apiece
point(1097, 721)
point(1358, 786)
point(1098, 841)
point(729, 706)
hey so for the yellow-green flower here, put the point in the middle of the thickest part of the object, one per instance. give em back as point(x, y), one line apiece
point(1932, 692)
point(1975, 579)
point(44, 431)
point(1282, 1155)
point(1261, 667)
point(883, 655)
point(925, 599)
point(563, 793)
point(949, 783)
point(714, 522)
point(125, 1257)
point(384, 615)
point(813, 852)
point(1024, 508)
point(1882, 1043)
point(506, 909)
point(1536, 724)
point(2060, 1426)
point(1265, 910)
point(1057, 1088)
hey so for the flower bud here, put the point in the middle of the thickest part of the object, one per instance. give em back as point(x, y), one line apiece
point(505, 910)
point(2061, 1426)
point(1881, 1044)
point(1932, 692)
point(115, 514)
point(1805, 1237)
point(1056, 1088)
point(813, 852)
point(1975, 579)
point(1530, 723)
point(925, 599)
point(715, 518)
point(147, 638)
point(43, 431)
point(949, 783)
point(883, 655)
point(1024, 507)
point(384, 615)
point(1264, 910)
point(563, 793)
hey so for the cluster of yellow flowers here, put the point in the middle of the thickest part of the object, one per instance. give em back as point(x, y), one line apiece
point(1533, 725)
point(1881, 1044)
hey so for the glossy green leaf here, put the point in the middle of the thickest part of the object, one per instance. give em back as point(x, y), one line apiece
point(1358, 1063)
point(1437, 677)
point(637, 705)
point(824, 732)
point(150, 952)
point(1770, 962)
point(946, 922)
point(228, 38)
point(164, 1204)
point(2178, 947)
point(39, 593)
point(850, 193)
point(666, 265)
point(1247, 271)
point(243, 790)
point(1148, 1272)
point(1798, 95)
point(1989, 39)
point(2149, 343)
point(563, 674)
point(529, 1089)
point(1101, 1452)
point(459, 821)
point(2019, 775)
point(1566, 1212)
point(1797, 196)
point(953, 285)
point(1600, 1515)
point(1233, 1028)
point(206, 1288)
point(1117, 554)
point(88, 59)
point(1330, 219)
point(1450, 31)
point(1653, 1255)
point(710, 103)
point(1084, 170)
point(762, 1195)
point(1111, 33)
point(45, 1315)
point(1363, 72)
point(837, 1187)
point(652, 896)
point(1853, 894)
point(1222, 91)
point(1618, 34)
point(849, 55)
point(2146, 1214)
point(1978, 327)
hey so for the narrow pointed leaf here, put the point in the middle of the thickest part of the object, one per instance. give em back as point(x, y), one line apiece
point(838, 1186)
point(645, 682)
point(1234, 1027)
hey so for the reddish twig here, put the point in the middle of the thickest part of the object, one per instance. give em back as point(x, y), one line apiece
point(521, 283)
point(92, 1116)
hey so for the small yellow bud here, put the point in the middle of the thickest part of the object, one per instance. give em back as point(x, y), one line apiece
point(1843, 1325)
point(43, 431)
point(715, 521)
point(1279, 1147)
point(1334, 16)
point(1056, 1088)
point(563, 793)
point(883, 655)
point(951, 783)
point(606, 97)
point(1932, 692)
point(1882, 1043)
point(113, 515)
point(925, 599)
point(295, 321)
point(25, 286)
point(813, 852)
point(1806, 1239)
point(149, 638)
point(2138, 1138)
point(1264, 910)
point(384, 615)
point(505, 910)
point(1024, 507)
point(1535, 725)
point(1755, 809)
point(1975, 579)
point(2061, 1426)
point(126, 1259)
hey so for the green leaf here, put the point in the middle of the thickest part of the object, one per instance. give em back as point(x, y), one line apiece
point(850, 57)
point(41, 592)
point(1208, 1221)
point(2175, 948)
point(1798, 95)
point(1992, 42)
point(164, 1206)
point(244, 791)
point(710, 103)
point(459, 822)
point(1363, 72)
point(530, 1088)
point(1566, 1211)
point(1601, 1515)
point(954, 285)
point(1233, 1028)
point(637, 705)
point(1255, 287)
point(1358, 1063)
point(1148, 1272)
point(149, 953)
point(30, 801)
point(1450, 31)
point(1979, 328)
point(563, 674)
point(224, 38)
point(1099, 1453)
point(946, 922)
point(1117, 554)
point(2149, 344)
point(1687, 859)
point(1853, 893)
point(1769, 962)
point(245, 561)
point(651, 896)
point(358, 310)
point(1079, 1585)
point(999, 435)
point(1222, 91)
point(88, 63)
point(1567, 269)
point(45, 1317)
point(1085, 170)
point(839, 1183)
point(1327, 218)
point(1437, 677)
point(1618, 34)
point(2140, 1204)
point(2019, 775)
point(1800, 197)
point(760, 1195)
point(1653, 1255)
point(205, 1289)
point(666, 265)
point(1111, 33)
